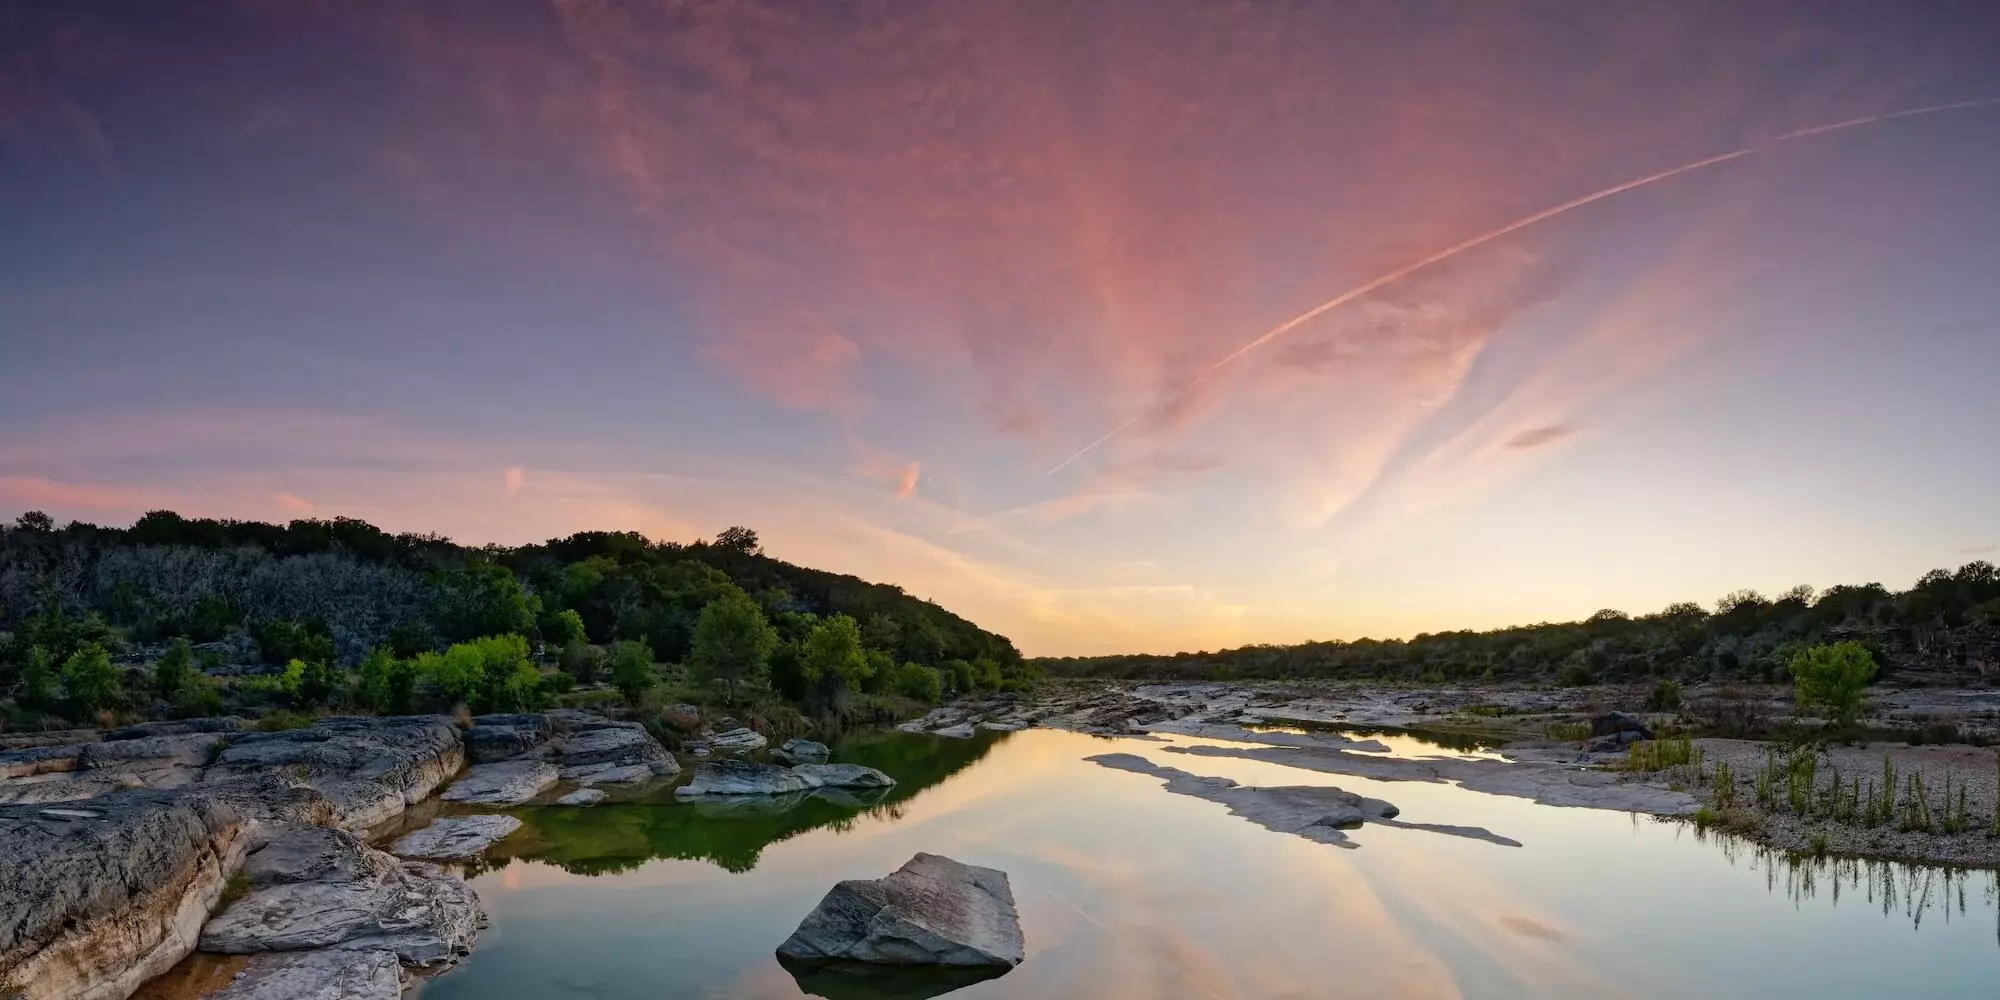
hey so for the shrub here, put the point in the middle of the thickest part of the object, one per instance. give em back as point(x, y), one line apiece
point(1832, 678)
point(1666, 697)
point(632, 669)
point(172, 669)
point(914, 680)
point(90, 681)
point(732, 642)
point(581, 661)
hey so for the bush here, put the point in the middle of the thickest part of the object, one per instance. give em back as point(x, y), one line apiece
point(198, 695)
point(914, 680)
point(172, 669)
point(1666, 697)
point(581, 661)
point(90, 681)
point(632, 669)
point(1832, 677)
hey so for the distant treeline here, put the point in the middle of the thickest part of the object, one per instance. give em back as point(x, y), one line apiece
point(1943, 630)
point(264, 586)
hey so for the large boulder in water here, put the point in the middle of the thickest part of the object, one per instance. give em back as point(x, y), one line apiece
point(798, 750)
point(931, 911)
point(843, 775)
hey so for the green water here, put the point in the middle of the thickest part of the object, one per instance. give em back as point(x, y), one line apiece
point(1128, 891)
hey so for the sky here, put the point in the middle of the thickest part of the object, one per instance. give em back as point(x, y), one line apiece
point(991, 299)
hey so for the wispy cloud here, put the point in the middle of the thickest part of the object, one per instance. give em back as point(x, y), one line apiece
point(1537, 437)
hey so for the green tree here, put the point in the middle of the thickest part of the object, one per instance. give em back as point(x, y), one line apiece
point(172, 669)
point(914, 680)
point(732, 642)
point(1832, 678)
point(739, 539)
point(38, 679)
point(562, 628)
point(482, 598)
point(632, 669)
point(832, 657)
point(90, 680)
point(376, 680)
point(581, 661)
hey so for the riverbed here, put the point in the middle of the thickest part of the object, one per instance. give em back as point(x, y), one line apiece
point(1126, 889)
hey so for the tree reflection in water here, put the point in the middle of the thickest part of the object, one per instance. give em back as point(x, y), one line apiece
point(732, 832)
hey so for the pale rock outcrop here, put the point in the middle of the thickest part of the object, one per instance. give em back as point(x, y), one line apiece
point(372, 769)
point(175, 727)
point(801, 751)
point(737, 739)
point(931, 911)
point(742, 777)
point(507, 783)
point(100, 896)
point(324, 974)
point(498, 737)
point(843, 776)
point(455, 838)
point(582, 797)
point(962, 731)
point(609, 753)
point(313, 887)
point(85, 770)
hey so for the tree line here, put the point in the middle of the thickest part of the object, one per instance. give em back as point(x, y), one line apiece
point(1943, 630)
point(340, 613)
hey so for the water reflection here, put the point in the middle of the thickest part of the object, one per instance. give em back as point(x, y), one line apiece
point(733, 831)
point(837, 981)
point(1897, 888)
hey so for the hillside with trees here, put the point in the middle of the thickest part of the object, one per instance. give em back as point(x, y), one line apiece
point(185, 616)
point(1944, 630)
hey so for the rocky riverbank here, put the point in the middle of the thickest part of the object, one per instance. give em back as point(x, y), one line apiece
point(123, 852)
point(1571, 747)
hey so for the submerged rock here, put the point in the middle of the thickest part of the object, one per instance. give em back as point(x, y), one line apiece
point(962, 731)
point(507, 783)
point(1314, 812)
point(582, 797)
point(326, 974)
point(455, 838)
point(801, 751)
point(743, 777)
point(931, 911)
point(313, 887)
point(844, 775)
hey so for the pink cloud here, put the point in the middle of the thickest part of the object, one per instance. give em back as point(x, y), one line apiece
point(30, 492)
point(293, 502)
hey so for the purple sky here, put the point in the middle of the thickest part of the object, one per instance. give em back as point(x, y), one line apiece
point(859, 275)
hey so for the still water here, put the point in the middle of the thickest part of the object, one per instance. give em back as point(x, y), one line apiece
point(1126, 890)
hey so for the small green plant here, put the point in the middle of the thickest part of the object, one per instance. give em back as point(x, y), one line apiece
point(236, 888)
point(1816, 845)
point(1568, 732)
point(1658, 755)
point(1832, 678)
point(1723, 788)
point(1666, 697)
point(1799, 772)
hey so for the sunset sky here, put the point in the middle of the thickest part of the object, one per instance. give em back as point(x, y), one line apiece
point(859, 275)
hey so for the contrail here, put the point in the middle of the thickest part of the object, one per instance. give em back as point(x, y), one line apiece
point(1494, 234)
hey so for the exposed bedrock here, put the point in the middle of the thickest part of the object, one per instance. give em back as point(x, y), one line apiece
point(372, 769)
point(100, 896)
point(507, 783)
point(456, 838)
point(314, 887)
point(318, 975)
point(730, 776)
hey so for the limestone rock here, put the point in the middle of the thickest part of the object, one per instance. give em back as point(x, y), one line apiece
point(498, 737)
point(801, 751)
point(743, 777)
point(324, 974)
point(737, 739)
point(372, 769)
point(1613, 723)
point(455, 838)
point(507, 783)
point(624, 744)
point(844, 775)
point(931, 911)
point(962, 731)
point(98, 897)
point(86, 770)
point(582, 797)
point(313, 887)
point(619, 774)
point(175, 727)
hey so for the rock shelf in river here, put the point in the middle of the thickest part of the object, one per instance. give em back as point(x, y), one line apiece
point(931, 911)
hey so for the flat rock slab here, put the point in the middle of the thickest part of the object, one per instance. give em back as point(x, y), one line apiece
point(498, 737)
point(801, 751)
point(313, 887)
point(743, 777)
point(1316, 812)
point(456, 838)
point(327, 974)
point(371, 768)
point(931, 911)
point(507, 783)
point(844, 775)
point(582, 797)
point(737, 739)
point(619, 774)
